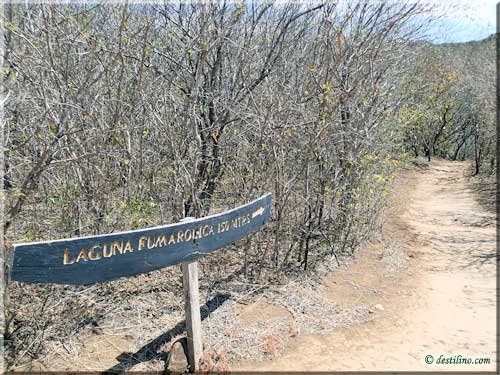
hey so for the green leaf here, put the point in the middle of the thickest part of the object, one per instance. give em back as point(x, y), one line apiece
point(53, 128)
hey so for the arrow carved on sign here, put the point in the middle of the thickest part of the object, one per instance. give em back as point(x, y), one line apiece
point(258, 212)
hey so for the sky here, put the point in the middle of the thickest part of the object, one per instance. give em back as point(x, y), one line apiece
point(463, 20)
point(460, 20)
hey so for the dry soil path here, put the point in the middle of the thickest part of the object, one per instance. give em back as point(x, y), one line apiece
point(438, 300)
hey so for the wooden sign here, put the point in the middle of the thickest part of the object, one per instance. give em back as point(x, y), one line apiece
point(88, 260)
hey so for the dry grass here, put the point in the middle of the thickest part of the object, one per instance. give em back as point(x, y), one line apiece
point(224, 331)
point(308, 312)
point(130, 313)
point(394, 259)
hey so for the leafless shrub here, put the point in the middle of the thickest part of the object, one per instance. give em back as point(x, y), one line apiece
point(127, 116)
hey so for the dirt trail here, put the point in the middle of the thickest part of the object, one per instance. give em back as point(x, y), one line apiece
point(431, 282)
point(426, 286)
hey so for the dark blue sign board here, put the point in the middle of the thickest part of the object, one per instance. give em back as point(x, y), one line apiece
point(94, 259)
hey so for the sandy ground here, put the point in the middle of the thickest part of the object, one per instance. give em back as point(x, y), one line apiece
point(425, 287)
point(437, 299)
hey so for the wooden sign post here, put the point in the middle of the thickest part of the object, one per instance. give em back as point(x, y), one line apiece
point(192, 311)
point(193, 316)
point(95, 259)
